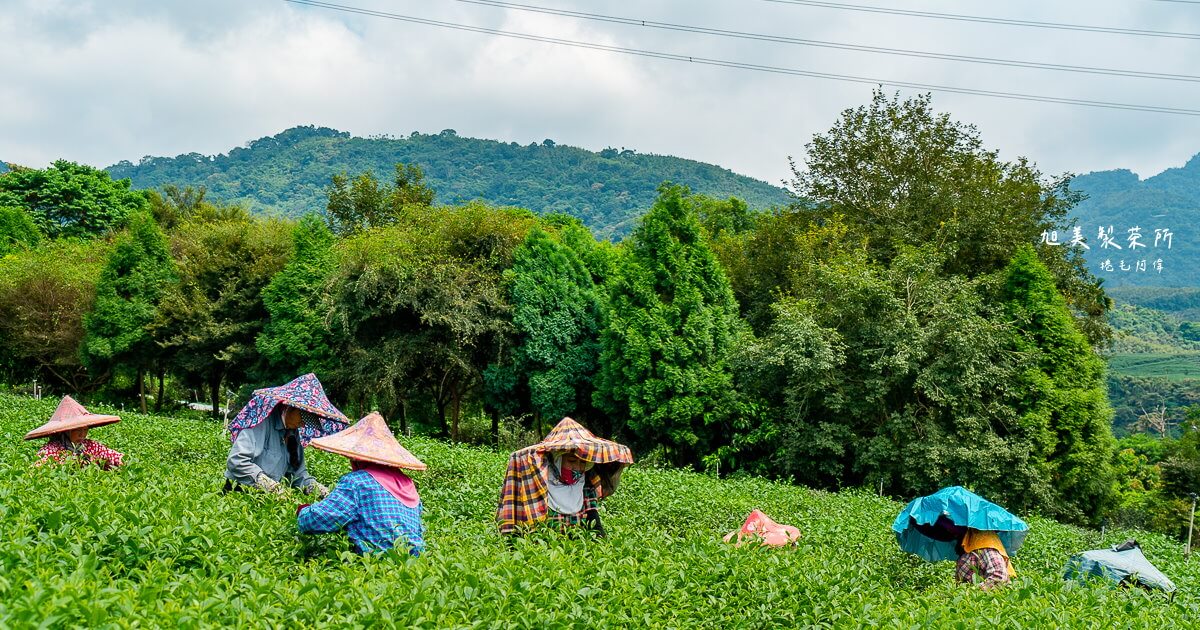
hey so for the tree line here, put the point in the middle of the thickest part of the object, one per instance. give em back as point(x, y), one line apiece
point(898, 326)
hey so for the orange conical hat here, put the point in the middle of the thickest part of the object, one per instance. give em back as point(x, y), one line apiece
point(70, 415)
point(569, 435)
point(369, 440)
point(760, 526)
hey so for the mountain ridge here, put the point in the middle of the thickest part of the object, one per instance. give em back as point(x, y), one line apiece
point(606, 189)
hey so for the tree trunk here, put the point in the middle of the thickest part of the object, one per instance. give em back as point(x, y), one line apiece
point(495, 428)
point(455, 400)
point(215, 391)
point(403, 417)
point(158, 400)
point(141, 377)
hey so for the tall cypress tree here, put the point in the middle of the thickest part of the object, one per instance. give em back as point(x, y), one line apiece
point(296, 338)
point(1067, 405)
point(136, 276)
point(664, 372)
point(556, 317)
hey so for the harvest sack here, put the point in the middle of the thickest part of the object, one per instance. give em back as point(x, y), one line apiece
point(759, 527)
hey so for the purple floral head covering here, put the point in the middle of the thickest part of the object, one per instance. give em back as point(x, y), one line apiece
point(305, 393)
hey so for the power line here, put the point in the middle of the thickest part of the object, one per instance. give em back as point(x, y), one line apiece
point(749, 66)
point(990, 20)
point(834, 45)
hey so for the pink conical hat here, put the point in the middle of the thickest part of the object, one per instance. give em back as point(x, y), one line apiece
point(760, 526)
point(369, 440)
point(70, 415)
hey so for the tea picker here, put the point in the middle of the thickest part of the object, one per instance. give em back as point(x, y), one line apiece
point(956, 524)
point(376, 503)
point(67, 430)
point(560, 479)
point(269, 435)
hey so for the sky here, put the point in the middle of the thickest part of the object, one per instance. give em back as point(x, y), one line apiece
point(103, 81)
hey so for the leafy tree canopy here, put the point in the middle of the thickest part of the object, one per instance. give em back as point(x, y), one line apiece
point(68, 199)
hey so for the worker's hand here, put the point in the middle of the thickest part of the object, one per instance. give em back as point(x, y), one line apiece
point(267, 484)
point(318, 489)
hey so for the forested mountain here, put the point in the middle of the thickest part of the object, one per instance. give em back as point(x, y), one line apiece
point(290, 171)
point(1167, 201)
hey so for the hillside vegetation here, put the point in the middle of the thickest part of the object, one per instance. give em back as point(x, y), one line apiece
point(1119, 199)
point(289, 173)
point(156, 544)
point(881, 338)
point(1154, 366)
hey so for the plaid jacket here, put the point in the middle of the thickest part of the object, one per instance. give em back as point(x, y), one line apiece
point(373, 518)
point(984, 565)
point(523, 495)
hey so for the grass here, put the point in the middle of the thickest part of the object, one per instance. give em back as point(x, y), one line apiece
point(1175, 366)
point(156, 545)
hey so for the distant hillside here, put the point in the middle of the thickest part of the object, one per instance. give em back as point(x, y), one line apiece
point(289, 172)
point(1169, 200)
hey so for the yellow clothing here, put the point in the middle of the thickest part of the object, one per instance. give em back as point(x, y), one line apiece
point(976, 539)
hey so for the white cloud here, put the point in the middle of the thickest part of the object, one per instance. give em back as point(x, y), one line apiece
point(104, 81)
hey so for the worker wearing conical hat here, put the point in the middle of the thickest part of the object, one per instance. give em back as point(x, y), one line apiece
point(67, 430)
point(560, 479)
point(375, 503)
point(269, 435)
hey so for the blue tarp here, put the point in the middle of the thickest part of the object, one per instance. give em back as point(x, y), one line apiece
point(1118, 564)
point(962, 508)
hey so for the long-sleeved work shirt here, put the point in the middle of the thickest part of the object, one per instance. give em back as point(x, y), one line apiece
point(263, 448)
point(373, 518)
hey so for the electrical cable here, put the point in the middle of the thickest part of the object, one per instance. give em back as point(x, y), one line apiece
point(749, 66)
point(990, 20)
point(834, 45)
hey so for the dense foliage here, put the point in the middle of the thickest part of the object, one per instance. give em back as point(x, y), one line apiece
point(69, 199)
point(155, 544)
point(17, 231)
point(901, 328)
point(136, 276)
point(290, 172)
point(296, 339)
point(556, 318)
point(45, 294)
point(672, 322)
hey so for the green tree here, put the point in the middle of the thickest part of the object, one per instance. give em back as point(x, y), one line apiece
point(903, 175)
point(137, 274)
point(17, 231)
point(69, 199)
point(1066, 402)
point(672, 318)
point(362, 202)
point(555, 316)
point(174, 205)
point(296, 338)
point(208, 323)
point(44, 295)
point(418, 308)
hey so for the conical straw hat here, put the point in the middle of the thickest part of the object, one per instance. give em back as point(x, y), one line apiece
point(570, 436)
point(70, 415)
point(369, 440)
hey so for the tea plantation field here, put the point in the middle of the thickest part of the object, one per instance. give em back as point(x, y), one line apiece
point(156, 545)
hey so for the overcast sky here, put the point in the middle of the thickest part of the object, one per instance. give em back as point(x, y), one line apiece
point(98, 82)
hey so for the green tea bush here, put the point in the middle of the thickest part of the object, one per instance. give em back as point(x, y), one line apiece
point(155, 544)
